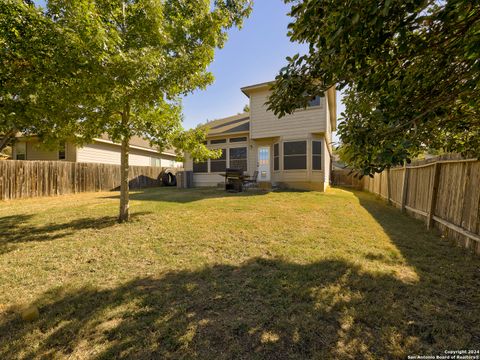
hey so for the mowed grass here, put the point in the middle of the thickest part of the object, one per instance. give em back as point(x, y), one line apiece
point(209, 275)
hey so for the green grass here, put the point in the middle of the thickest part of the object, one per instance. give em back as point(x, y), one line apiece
point(208, 275)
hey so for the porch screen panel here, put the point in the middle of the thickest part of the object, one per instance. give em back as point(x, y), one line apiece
point(220, 164)
point(238, 158)
point(295, 155)
point(201, 167)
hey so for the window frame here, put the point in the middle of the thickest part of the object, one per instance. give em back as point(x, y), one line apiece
point(200, 163)
point(314, 98)
point(218, 141)
point(306, 168)
point(317, 155)
point(239, 139)
point(242, 159)
point(224, 153)
point(62, 149)
point(276, 157)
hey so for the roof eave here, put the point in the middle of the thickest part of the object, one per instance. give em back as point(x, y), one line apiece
point(228, 134)
point(248, 89)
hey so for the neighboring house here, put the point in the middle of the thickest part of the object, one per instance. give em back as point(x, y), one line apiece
point(291, 152)
point(101, 150)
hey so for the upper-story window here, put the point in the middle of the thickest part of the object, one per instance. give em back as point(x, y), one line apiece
point(218, 141)
point(315, 101)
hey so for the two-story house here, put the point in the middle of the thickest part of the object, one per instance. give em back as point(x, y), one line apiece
point(291, 152)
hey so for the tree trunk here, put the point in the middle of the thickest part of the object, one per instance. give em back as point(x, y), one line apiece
point(124, 171)
point(6, 138)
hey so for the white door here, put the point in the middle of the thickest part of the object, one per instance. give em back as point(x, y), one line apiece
point(263, 165)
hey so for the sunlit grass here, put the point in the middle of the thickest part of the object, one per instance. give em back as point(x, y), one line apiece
point(205, 274)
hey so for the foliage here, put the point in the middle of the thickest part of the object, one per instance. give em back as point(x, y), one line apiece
point(410, 70)
point(27, 39)
point(246, 108)
point(117, 68)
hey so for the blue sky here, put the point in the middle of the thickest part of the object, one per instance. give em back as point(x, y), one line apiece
point(252, 55)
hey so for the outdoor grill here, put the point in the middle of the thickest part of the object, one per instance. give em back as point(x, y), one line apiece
point(234, 180)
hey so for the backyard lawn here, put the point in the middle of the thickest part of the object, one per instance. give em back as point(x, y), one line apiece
point(208, 275)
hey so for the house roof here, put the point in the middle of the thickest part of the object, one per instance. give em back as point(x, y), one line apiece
point(231, 125)
point(139, 142)
point(248, 89)
point(135, 142)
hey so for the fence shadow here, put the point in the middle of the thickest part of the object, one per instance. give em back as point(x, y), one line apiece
point(265, 309)
point(16, 229)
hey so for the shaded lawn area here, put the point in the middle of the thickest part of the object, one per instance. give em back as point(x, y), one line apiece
point(204, 274)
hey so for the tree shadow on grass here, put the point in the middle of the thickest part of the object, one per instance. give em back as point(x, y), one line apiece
point(16, 229)
point(449, 275)
point(262, 309)
point(183, 196)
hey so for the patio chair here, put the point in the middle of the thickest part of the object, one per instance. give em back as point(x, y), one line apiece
point(251, 182)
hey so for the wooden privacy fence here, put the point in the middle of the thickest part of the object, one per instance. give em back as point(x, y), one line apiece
point(445, 194)
point(345, 177)
point(22, 179)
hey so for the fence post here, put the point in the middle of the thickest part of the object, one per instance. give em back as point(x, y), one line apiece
point(388, 187)
point(433, 195)
point(404, 186)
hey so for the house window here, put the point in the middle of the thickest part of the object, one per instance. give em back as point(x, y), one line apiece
point(315, 101)
point(220, 164)
point(62, 152)
point(21, 151)
point(316, 155)
point(218, 141)
point(200, 167)
point(238, 158)
point(276, 157)
point(295, 155)
point(238, 139)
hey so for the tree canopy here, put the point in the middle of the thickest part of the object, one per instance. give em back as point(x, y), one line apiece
point(410, 70)
point(111, 67)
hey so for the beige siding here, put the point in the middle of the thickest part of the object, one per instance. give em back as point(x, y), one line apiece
point(37, 152)
point(71, 152)
point(110, 154)
point(265, 124)
point(99, 153)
